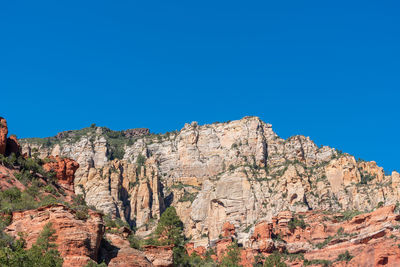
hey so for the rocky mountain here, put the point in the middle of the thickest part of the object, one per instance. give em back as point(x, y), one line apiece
point(44, 223)
point(225, 194)
point(240, 172)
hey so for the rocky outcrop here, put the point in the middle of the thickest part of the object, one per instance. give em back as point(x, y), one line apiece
point(369, 239)
point(239, 171)
point(3, 135)
point(136, 132)
point(77, 240)
point(116, 252)
point(228, 230)
point(160, 256)
point(190, 249)
point(8, 145)
point(13, 146)
point(64, 169)
point(7, 179)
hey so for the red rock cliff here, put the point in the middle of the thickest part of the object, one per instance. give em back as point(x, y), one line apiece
point(3, 135)
point(77, 240)
point(64, 168)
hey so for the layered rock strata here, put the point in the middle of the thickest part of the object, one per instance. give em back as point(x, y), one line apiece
point(77, 241)
point(316, 238)
point(239, 171)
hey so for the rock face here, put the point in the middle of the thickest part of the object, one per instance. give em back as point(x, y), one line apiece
point(370, 239)
point(117, 252)
point(3, 135)
point(239, 171)
point(77, 241)
point(8, 145)
point(136, 132)
point(7, 179)
point(80, 239)
point(160, 256)
point(13, 146)
point(64, 169)
point(228, 230)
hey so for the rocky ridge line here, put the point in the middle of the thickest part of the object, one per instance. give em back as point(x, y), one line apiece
point(238, 171)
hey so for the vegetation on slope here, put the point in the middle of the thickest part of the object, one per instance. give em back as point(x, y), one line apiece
point(41, 189)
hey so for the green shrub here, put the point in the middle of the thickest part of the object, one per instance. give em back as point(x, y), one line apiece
point(80, 207)
point(116, 223)
point(48, 200)
point(275, 260)
point(188, 197)
point(231, 257)
point(140, 160)
point(346, 256)
point(42, 253)
point(323, 263)
point(297, 222)
point(13, 199)
point(116, 152)
point(348, 215)
point(325, 242)
point(95, 264)
point(135, 242)
point(340, 231)
point(169, 231)
point(366, 177)
point(170, 228)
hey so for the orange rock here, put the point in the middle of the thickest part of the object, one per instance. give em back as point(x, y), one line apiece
point(7, 179)
point(222, 247)
point(247, 258)
point(3, 135)
point(262, 230)
point(160, 256)
point(228, 229)
point(371, 238)
point(199, 250)
point(373, 169)
point(77, 241)
point(64, 168)
point(117, 252)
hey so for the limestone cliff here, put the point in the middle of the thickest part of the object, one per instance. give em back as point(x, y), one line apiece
point(240, 172)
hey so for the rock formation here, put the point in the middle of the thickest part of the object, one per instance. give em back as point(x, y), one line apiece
point(136, 132)
point(13, 146)
point(160, 256)
point(79, 230)
point(78, 241)
point(370, 239)
point(117, 252)
point(8, 145)
point(3, 135)
point(239, 172)
point(64, 169)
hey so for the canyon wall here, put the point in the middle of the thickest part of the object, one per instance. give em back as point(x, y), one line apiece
point(240, 172)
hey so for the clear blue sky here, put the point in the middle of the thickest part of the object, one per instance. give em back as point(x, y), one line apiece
point(326, 69)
